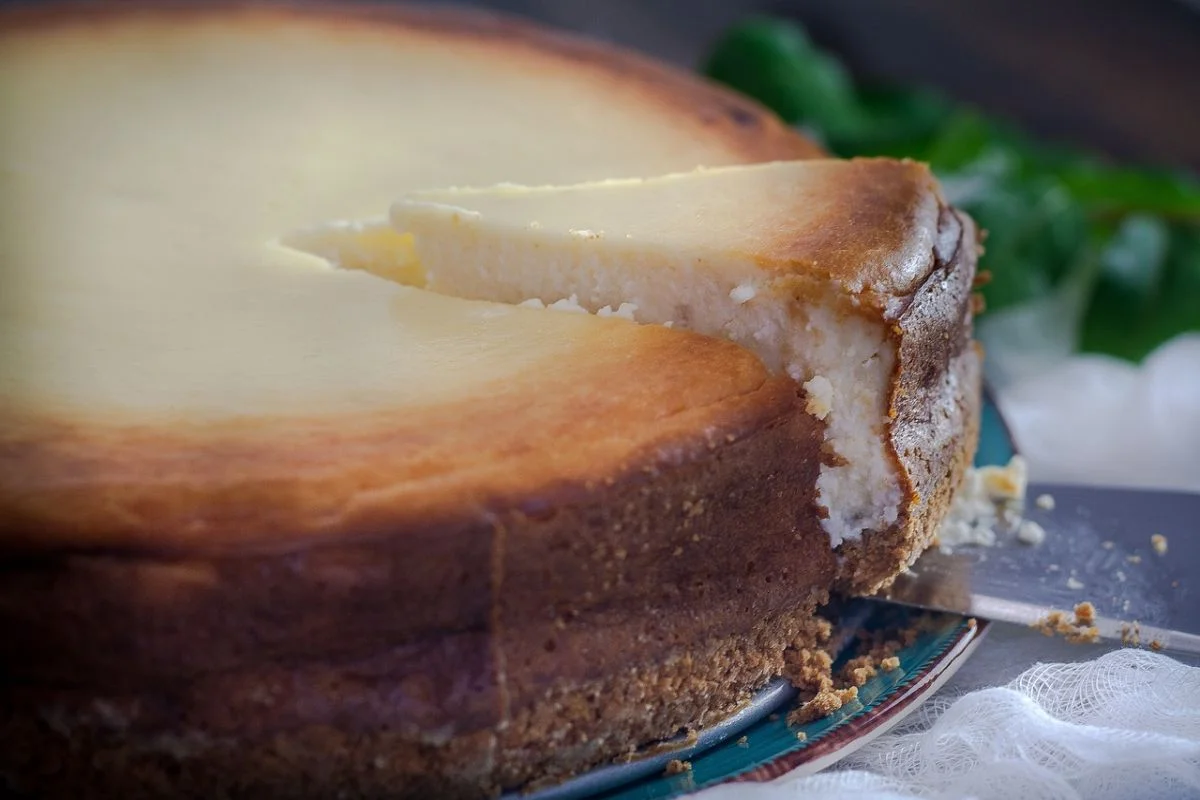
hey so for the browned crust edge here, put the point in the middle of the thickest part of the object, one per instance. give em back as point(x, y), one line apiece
point(934, 407)
point(265, 485)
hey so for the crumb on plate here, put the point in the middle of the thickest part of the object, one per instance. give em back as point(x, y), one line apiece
point(1031, 533)
point(1077, 629)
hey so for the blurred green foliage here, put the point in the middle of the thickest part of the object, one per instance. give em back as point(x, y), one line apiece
point(1130, 236)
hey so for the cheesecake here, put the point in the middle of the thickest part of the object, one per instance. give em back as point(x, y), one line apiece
point(852, 277)
point(296, 500)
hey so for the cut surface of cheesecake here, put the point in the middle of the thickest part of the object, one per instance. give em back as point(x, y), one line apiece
point(812, 265)
point(272, 525)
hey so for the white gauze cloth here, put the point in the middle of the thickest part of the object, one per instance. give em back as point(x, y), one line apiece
point(1124, 725)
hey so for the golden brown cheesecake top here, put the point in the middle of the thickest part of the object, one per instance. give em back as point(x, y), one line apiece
point(171, 369)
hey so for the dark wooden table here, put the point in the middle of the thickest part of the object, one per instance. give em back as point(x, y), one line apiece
point(1122, 76)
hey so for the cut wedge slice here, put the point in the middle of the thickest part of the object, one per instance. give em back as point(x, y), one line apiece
point(852, 277)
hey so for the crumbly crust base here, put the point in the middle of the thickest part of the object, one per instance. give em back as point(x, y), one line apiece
point(66, 742)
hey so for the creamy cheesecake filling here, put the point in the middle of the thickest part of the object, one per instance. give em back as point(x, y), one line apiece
point(847, 357)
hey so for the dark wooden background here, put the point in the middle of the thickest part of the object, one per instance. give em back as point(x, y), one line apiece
point(1122, 76)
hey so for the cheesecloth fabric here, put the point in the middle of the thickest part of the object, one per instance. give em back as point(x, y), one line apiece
point(1124, 725)
point(1030, 717)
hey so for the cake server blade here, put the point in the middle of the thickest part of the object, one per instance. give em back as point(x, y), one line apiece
point(1098, 548)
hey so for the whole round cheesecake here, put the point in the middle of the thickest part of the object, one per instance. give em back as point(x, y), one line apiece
point(281, 515)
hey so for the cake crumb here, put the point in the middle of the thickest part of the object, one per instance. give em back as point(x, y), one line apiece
point(742, 293)
point(744, 741)
point(1159, 543)
point(1073, 583)
point(1051, 623)
point(1029, 532)
point(801, 736)
point(1007, 482)
point(824, 703)
point(1156, 645)
point(811, 669)
point(1078, 629)
point(988, 498)
point(623, 311)
point(820, 396)
point(568, 304)
point(859, 670)
point(677, 767)
point(1045, 501)
point(1131, 634)
point(1088, 635)
point(1134, 559)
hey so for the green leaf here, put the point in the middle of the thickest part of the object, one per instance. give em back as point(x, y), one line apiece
point(966, 138)
point(776, 63)
point(1014, 225)
point(1148, 290)
point(1120, 190)
point(1133, 261)
point(1036, 231)
point(893, 122)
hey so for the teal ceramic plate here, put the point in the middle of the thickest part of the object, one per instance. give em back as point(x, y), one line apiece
point(758, 744)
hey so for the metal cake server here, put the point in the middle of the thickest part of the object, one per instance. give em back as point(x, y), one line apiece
point(1098, 548)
